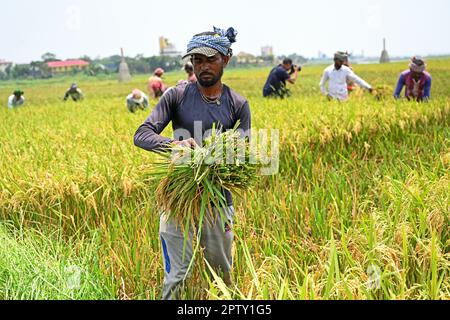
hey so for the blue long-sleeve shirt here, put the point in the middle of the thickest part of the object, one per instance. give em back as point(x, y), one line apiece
point(192, 117)
point(402, 82)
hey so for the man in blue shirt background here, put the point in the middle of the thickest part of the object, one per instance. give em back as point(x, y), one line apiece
point(276, 82)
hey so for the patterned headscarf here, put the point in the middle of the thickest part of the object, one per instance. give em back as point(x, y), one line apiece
point(417, 65)
point(219, 40)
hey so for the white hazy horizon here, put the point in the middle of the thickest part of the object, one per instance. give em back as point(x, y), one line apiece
point(99, 28)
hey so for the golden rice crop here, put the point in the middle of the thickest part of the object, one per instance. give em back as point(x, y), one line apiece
point(362, 190)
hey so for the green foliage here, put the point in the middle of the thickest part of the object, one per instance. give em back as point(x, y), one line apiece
point(47, 57)
point(39, 266)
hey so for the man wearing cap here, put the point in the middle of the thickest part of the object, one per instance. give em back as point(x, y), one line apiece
point(137, 100)
point(74, 92)
point(16, 99)
point(276, 82)
point(351, 86)
point(156, 86)
point(416, 80)
point(194, 109)
point(191, 78)
point(337, 75)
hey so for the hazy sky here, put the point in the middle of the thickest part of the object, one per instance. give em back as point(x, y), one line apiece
point(71, 28)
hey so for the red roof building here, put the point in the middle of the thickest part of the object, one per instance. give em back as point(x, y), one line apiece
point(68, 65)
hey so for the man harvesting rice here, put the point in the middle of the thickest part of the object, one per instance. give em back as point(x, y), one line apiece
point(338, 75)
point(351, 86)
point(74, 92)
point(416, 80)
point(16, 99)
point(191, 78)
point(137, 100)
point(155, 85)
point(194, 109)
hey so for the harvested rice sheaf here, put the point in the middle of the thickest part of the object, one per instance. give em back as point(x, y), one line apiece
point(193, 181)
point(382, 92)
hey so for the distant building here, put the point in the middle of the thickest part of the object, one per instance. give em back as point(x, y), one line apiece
point(246, 58)
point(67, 66)
point(124, 71)
point(4, 65)
point(321, 56)
point(167, 49)
point(266, 51)
point(384, 54)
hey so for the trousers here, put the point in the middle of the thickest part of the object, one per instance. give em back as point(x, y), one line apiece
point(216, 240)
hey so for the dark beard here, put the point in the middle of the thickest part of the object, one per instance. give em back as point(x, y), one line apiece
point(210, 83)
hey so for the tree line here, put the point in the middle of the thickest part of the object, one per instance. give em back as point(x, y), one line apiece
point(109, 65)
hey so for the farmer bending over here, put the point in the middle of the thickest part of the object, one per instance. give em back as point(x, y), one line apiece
point(156, 86)
point(74, 92)
point(204, 103)
point(338, 75)
point(416, 80)
point(276, 82)
point(16, 99)
point(351, 86)
point(137, 100)
point(191, 78)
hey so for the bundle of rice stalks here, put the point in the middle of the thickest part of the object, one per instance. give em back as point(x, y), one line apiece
point(381, 92)
point(193, 181)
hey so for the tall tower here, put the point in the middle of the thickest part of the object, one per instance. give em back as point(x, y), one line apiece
point(163, 43)
point(124, 71)
point(166, 48)
point(384, 54)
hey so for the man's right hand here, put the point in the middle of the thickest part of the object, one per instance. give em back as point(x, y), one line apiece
point(187, 143)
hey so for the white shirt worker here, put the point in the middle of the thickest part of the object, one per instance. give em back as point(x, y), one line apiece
point(14, 102)
point(337, 82)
